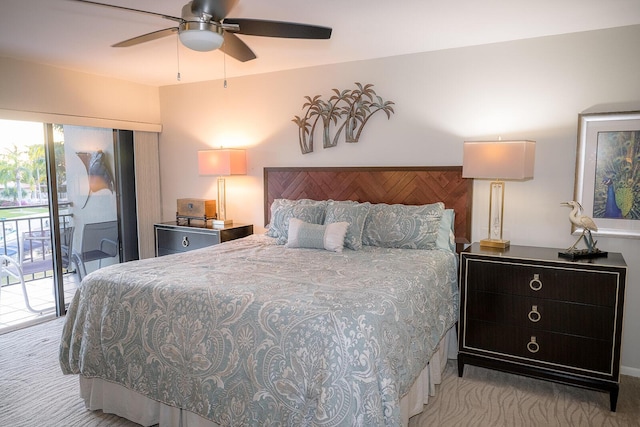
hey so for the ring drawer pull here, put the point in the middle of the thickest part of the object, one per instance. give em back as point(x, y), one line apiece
point(535, 283)
point(533, 346)
point(185, 241)
point(534, 314)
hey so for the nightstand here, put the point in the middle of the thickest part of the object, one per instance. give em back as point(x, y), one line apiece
point(526, 311)
point(172, 238)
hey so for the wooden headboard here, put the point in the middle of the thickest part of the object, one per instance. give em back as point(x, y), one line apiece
point(406, 185)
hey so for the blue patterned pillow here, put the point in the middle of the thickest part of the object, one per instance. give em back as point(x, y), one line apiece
point(282, 210)
point(352, 212)
point(316, 236)
point(403, 226)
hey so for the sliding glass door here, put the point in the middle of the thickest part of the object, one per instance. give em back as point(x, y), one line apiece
point(28, 282)
point(59, 213)
point(92, 193)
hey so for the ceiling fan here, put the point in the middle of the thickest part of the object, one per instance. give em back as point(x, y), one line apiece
point(204, 26)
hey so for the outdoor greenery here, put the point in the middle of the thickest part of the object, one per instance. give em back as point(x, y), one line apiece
point(23, 172)
point(9, 214)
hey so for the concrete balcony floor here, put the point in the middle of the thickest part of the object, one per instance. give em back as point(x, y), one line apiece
point(13, 311)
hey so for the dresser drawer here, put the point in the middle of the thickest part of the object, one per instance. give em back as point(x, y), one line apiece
point(590, 321)
point(178, 240)
point(552, 349)
point(560, 283)
point(172, 238)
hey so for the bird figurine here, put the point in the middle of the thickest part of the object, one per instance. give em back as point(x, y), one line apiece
point(584, 222)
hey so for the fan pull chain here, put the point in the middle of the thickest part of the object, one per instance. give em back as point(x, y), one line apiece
point(178, 56)
point(224, 68)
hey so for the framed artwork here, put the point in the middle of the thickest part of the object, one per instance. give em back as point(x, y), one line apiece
point(608, 172)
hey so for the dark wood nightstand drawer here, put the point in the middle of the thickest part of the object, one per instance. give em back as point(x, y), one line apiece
point(172, 238)
point(590, 321)
point(177, 240)
point(531, 345)
point(564, 283)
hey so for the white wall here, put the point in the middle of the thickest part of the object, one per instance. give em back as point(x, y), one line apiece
point(530, 89)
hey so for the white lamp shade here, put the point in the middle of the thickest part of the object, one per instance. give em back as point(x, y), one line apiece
point(202, 40)
point(222, 162)
point(498, 159)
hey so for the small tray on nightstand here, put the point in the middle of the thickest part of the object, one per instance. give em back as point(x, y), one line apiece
point(583, 254)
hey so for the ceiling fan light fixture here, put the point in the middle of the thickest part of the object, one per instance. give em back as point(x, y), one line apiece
point(200, 36)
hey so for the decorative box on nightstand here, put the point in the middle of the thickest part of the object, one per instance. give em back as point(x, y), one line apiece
point(525, 310)
point(172, 238)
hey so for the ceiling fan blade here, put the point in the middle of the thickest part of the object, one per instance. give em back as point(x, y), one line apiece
point(236, 48)
point(169, 17)
point(147, 37)
point(216, 8)
point(261, 27)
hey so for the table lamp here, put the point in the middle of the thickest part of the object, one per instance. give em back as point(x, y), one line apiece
point(499, 161)
point(221, 163)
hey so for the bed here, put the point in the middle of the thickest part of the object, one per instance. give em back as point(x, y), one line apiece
point(286, 328)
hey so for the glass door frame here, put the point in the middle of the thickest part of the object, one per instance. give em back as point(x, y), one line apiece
point(54, 220)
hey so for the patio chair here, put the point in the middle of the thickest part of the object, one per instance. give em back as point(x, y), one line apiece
point(66, 247)
point(29, 266)
point(33, 255)
point(99, 241)
point(11, 267)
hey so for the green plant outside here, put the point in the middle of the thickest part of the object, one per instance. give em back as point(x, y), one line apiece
point(24, 212)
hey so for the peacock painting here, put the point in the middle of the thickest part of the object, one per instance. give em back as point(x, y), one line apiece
point(617, 186)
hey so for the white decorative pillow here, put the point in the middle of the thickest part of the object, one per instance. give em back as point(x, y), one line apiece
point(446, 238)
point(352, 212)
point(403, 226)
point(316, 236)
point(282, 210)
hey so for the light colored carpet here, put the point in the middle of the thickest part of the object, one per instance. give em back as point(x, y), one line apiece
point(33, 392)
point(483, 397)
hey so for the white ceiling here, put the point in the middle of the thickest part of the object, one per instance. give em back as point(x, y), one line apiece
point(78, 36)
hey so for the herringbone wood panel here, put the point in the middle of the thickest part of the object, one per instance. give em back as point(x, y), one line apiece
point(406, 185)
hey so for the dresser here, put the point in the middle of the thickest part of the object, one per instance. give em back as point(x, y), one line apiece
point(527, 311)
point(172, 238)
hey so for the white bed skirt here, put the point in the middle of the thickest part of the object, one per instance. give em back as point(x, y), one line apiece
point(115, 399)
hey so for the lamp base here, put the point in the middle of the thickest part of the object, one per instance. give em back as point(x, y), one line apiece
point(494, 243)
point(221, 223)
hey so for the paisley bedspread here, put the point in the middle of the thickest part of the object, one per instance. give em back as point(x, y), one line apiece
point(252, 333)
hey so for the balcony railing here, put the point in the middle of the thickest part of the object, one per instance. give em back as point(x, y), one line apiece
point(29, 252)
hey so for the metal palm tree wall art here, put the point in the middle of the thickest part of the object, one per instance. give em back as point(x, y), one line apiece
point(347, 110)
